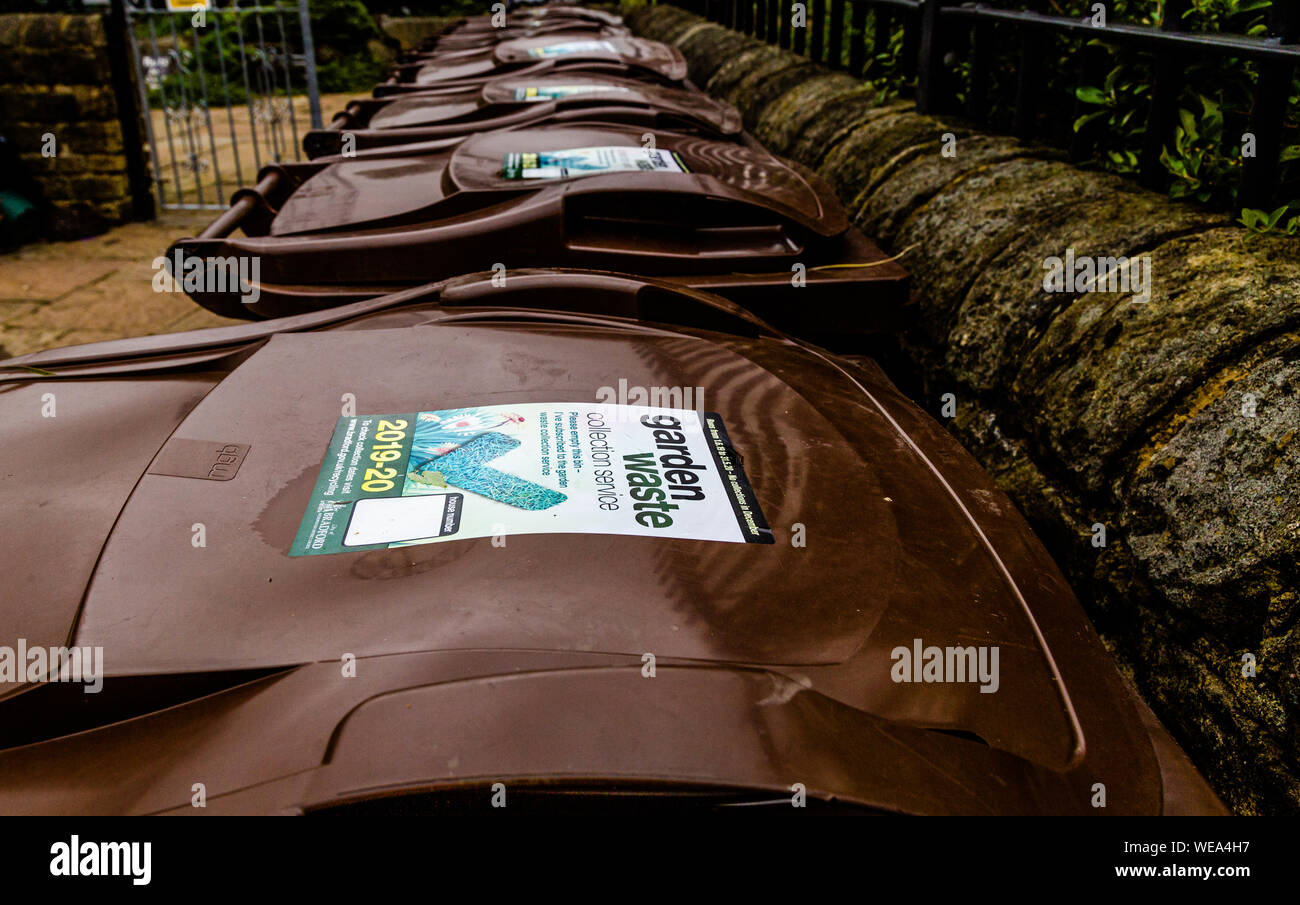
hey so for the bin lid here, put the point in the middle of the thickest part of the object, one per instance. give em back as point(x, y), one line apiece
point(899, 548)
point(560, 11)
point(531, 30)
point(485, 41)
point(551, 92)
point(539, 15)
point(609, 159)
point(652, 56)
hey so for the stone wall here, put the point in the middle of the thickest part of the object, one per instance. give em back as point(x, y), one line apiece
point(1174, 423)
point(56, 79)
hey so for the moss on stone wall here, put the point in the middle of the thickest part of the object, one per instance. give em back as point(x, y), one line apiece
point(1172, 421)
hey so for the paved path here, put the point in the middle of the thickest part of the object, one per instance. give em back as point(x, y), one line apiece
point(66, 293)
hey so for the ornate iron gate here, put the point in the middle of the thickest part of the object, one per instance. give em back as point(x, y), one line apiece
point(222, 85)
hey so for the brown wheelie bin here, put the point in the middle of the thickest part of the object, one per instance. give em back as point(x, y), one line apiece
point(612, 542)
point(517, 101)
point(709, 214)
point(631, 57)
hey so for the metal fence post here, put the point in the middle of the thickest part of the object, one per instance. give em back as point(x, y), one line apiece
point(817, 27)
point(1092, 69)
point(1272, 95)
point(858, 39)
point(1029, 78)
point(1164, 102)
point(933, 87)
point(835, 39)
point(309, 58)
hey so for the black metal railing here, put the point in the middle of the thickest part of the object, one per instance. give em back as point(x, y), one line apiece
point(941, 37)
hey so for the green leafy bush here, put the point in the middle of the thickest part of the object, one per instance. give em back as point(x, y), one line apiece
point(1204, 154)
point(348, 43)
point(1105, 117)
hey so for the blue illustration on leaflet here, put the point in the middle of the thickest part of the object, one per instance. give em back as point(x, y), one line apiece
point(590, 161)
point(530, 468)
point(535, 93)
point(453, 449)
point(571, 47)
point(438, 433)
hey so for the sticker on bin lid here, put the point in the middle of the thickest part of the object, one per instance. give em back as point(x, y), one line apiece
point(571, 47)
point(534, 93)
point(534, 468)
point(590, 162)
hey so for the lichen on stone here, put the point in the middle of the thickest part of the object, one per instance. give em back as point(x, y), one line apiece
point(1088, 406)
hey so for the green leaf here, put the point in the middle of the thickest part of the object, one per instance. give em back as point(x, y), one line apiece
point(1172, 164)
point(1251, 218)
point(1180, 141)
point(1090, 95)
point(1087, 118)
point(1109, 84)
point(1211, 120)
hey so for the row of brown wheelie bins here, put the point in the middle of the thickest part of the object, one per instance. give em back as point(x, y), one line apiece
point(530, 481)
point(556, 140)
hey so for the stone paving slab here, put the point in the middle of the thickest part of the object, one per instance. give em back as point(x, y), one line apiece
point(67, 293)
